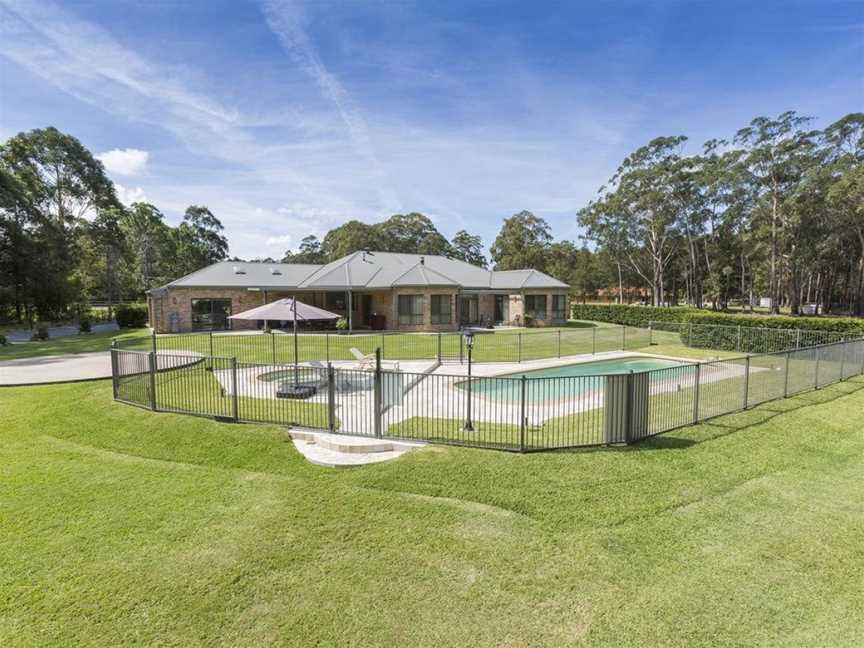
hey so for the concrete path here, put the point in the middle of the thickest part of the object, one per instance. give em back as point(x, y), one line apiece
point(57, 368)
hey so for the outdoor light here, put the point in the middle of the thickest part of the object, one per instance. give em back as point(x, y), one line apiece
point(469, 344)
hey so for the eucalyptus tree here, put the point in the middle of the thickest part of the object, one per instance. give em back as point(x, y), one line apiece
point(640, 213)
point(777, 154)
point(151, 242)
point(522, 242)
point(199, 241)
point(468, 248)
point(57, 182)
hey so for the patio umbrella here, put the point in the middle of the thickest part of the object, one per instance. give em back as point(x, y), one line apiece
point(288, 310)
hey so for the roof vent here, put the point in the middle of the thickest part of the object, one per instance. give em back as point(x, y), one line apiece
point(239, 270)
point(275, 271)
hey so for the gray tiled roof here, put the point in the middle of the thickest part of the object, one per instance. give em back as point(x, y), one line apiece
point(366, 270)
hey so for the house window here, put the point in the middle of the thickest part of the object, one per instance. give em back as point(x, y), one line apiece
point(335, 301)
point(559, 307)
point(410, 309)
point(535, 306)
point(210, 314)
point(441, 309)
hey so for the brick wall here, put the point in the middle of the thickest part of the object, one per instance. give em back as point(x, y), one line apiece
point(178, 302)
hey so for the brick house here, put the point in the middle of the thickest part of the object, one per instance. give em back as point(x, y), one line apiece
point(372, 290)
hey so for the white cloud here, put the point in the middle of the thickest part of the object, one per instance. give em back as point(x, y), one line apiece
point(128, 162)
point(130, 195)
point(282, 242)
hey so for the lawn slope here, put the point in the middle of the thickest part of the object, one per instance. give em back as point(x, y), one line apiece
point(119, 525)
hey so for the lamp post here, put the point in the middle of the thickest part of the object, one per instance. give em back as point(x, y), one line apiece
point(469, 344)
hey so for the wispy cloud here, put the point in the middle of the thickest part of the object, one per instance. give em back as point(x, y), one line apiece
point(286, 20)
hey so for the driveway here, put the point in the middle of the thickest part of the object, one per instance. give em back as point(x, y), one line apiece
point(23, 335)
point(57, 368)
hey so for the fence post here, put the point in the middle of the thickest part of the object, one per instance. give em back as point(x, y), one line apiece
point(377, 402)
point(650, 333)
point(696, 393)
point(818, 357)
point(523, 420)
point(842, 360)
point(519, 335)
point(439, 347)
point(746, 381)
point(461, 348)
point(786, 378)
point(154, 340)
point(331, 398)
point(383, 351)
point(594, 341)
point(235, 404)
point(151, 360)
point(559, 343)
point(211, 343)
point(798, 340)
point(628, 409)
point(114, 372)
point(624, 337)
point(738, 343)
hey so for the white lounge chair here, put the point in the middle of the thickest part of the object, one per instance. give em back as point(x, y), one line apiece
point(366, 361)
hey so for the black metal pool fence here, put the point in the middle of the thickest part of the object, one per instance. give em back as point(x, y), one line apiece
point(515, 412)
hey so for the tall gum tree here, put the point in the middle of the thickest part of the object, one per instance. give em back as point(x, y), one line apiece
point(640, 211)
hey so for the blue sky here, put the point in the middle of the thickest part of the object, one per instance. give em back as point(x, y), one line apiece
point(288, 118)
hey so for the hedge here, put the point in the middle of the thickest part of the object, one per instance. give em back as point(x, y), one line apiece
point(643, 315)
point(833, 324)
point(639, 316)
point(131, 315)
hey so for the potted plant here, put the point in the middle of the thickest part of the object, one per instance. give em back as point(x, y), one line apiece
point(342, 325)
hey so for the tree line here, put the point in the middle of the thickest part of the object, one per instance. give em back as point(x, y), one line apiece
point(777, 211)
point(66, 240)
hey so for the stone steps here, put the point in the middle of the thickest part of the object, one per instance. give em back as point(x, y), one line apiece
point(345, 451)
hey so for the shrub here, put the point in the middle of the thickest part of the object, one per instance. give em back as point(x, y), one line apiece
point(3, 341)
point(84, 325)
point(639, 316)
point(131, 315)
point(39, 334)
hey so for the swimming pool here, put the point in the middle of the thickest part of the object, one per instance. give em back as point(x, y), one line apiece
point(570, 380)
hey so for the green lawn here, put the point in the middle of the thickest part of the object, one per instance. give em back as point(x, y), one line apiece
point(121, 526)
point(71, 344)
point(511, 345)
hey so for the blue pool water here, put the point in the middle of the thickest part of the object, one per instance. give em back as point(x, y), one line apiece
point(573, 380)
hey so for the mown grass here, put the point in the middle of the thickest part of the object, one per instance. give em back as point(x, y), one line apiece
point(509, 345)
point(122, 526)
point(72, 344)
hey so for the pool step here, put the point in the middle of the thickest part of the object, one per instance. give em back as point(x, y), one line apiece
point(342, 450)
